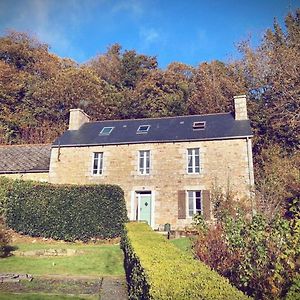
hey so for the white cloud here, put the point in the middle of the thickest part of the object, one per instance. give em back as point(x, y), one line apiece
point(132, 6)
point(149, 35)
point(36, 17)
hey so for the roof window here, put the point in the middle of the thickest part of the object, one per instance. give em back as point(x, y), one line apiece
point(143, 129)
point(199, 125)
point(106, 130)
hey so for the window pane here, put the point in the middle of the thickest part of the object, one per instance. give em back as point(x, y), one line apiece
point(144, 162)
point(100, 163)
point(198, 202)
point(191, 203)
point(141, 164)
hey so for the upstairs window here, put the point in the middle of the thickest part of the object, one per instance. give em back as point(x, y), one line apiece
point(143, 129)
point(144, 162)
point(98, 163)
point(106, 130)
point(199, 125)
point(193, 161)
point(194, 202)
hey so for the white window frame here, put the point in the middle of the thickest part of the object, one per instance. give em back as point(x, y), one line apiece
point(194, 198)
point(139, 131)
point(105, 128)
point(99, 169)
point(193, 157)
point(142, 167)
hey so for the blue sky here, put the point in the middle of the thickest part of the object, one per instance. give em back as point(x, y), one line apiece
point(188, 31)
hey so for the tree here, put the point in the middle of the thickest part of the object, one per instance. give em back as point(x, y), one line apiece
point(214, 86)
point(272, 75)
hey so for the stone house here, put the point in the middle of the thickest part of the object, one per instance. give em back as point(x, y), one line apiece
point(166, 166)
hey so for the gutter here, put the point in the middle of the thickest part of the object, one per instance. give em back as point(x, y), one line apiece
point(24, 171)
point(152, 141)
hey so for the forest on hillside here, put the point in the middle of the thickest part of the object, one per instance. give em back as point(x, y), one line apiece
point(37, 89)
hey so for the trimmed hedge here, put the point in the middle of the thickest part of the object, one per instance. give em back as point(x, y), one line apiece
point(156, 269)
point(66, 212)
point(5, 186)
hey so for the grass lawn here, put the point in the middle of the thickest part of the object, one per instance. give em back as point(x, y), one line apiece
point(184, 244)
point(75, 275)
point(95, 260)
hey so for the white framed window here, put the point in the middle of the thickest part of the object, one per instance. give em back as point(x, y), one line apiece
point(97, 163)
point(200, 125)
point(144, 162)
point(194, 203)
point(143, 129)
point(193, 161)
point(106, 130)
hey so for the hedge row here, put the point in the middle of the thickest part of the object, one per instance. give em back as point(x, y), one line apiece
point(5, 186)
point(66, 212)
point(156, 269)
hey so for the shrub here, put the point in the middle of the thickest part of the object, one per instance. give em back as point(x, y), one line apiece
point(5, 185)
point(66, 212)
point(156, 269)
point(257, 256)
point(294, 291)
point(4, 240)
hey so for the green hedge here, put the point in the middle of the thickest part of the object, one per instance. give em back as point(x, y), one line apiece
point(5, 186)
point(294, 291)
point(156, 269)
point(66, 212)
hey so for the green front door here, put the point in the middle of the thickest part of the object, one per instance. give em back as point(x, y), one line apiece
point(145, 208)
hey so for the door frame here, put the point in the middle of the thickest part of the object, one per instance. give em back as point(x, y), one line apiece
point(135, 215)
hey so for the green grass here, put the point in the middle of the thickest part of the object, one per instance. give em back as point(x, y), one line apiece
point(10, 296)
point(97, 260)
point(183, 244)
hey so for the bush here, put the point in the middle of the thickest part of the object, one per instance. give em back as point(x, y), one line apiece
point(5, 186)
point(4, 240)
point(156, 269)
point(66, 212)
point(294, 291)
point(257, 256)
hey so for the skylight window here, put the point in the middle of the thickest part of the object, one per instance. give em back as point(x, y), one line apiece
point(143, 129)
point(199, 125)
point(106, 130)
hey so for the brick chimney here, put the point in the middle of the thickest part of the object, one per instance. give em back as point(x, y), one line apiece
point(77, 118)
point(240, 107)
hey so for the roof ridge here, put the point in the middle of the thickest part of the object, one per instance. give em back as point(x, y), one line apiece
point(160, 118)
point(22, 145)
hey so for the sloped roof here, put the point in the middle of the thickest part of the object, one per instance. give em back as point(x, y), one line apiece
point(24, 158)
point(169, 129)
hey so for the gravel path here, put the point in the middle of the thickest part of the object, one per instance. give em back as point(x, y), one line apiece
point(108, 288)
point(113, 288)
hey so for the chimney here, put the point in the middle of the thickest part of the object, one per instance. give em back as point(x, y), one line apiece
point(77, 118)
point(240, 107)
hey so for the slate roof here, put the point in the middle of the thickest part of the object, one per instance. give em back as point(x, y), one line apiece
point(170, 129)
point(24, 158)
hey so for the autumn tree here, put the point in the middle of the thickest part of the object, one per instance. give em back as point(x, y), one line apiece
point(272, 75)
point(214, 86)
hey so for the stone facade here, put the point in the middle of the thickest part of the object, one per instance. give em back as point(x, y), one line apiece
point(223, 163)
point(42, 177)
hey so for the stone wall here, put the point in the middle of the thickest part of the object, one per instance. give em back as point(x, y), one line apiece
point(223, 163)
point(43, 177)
